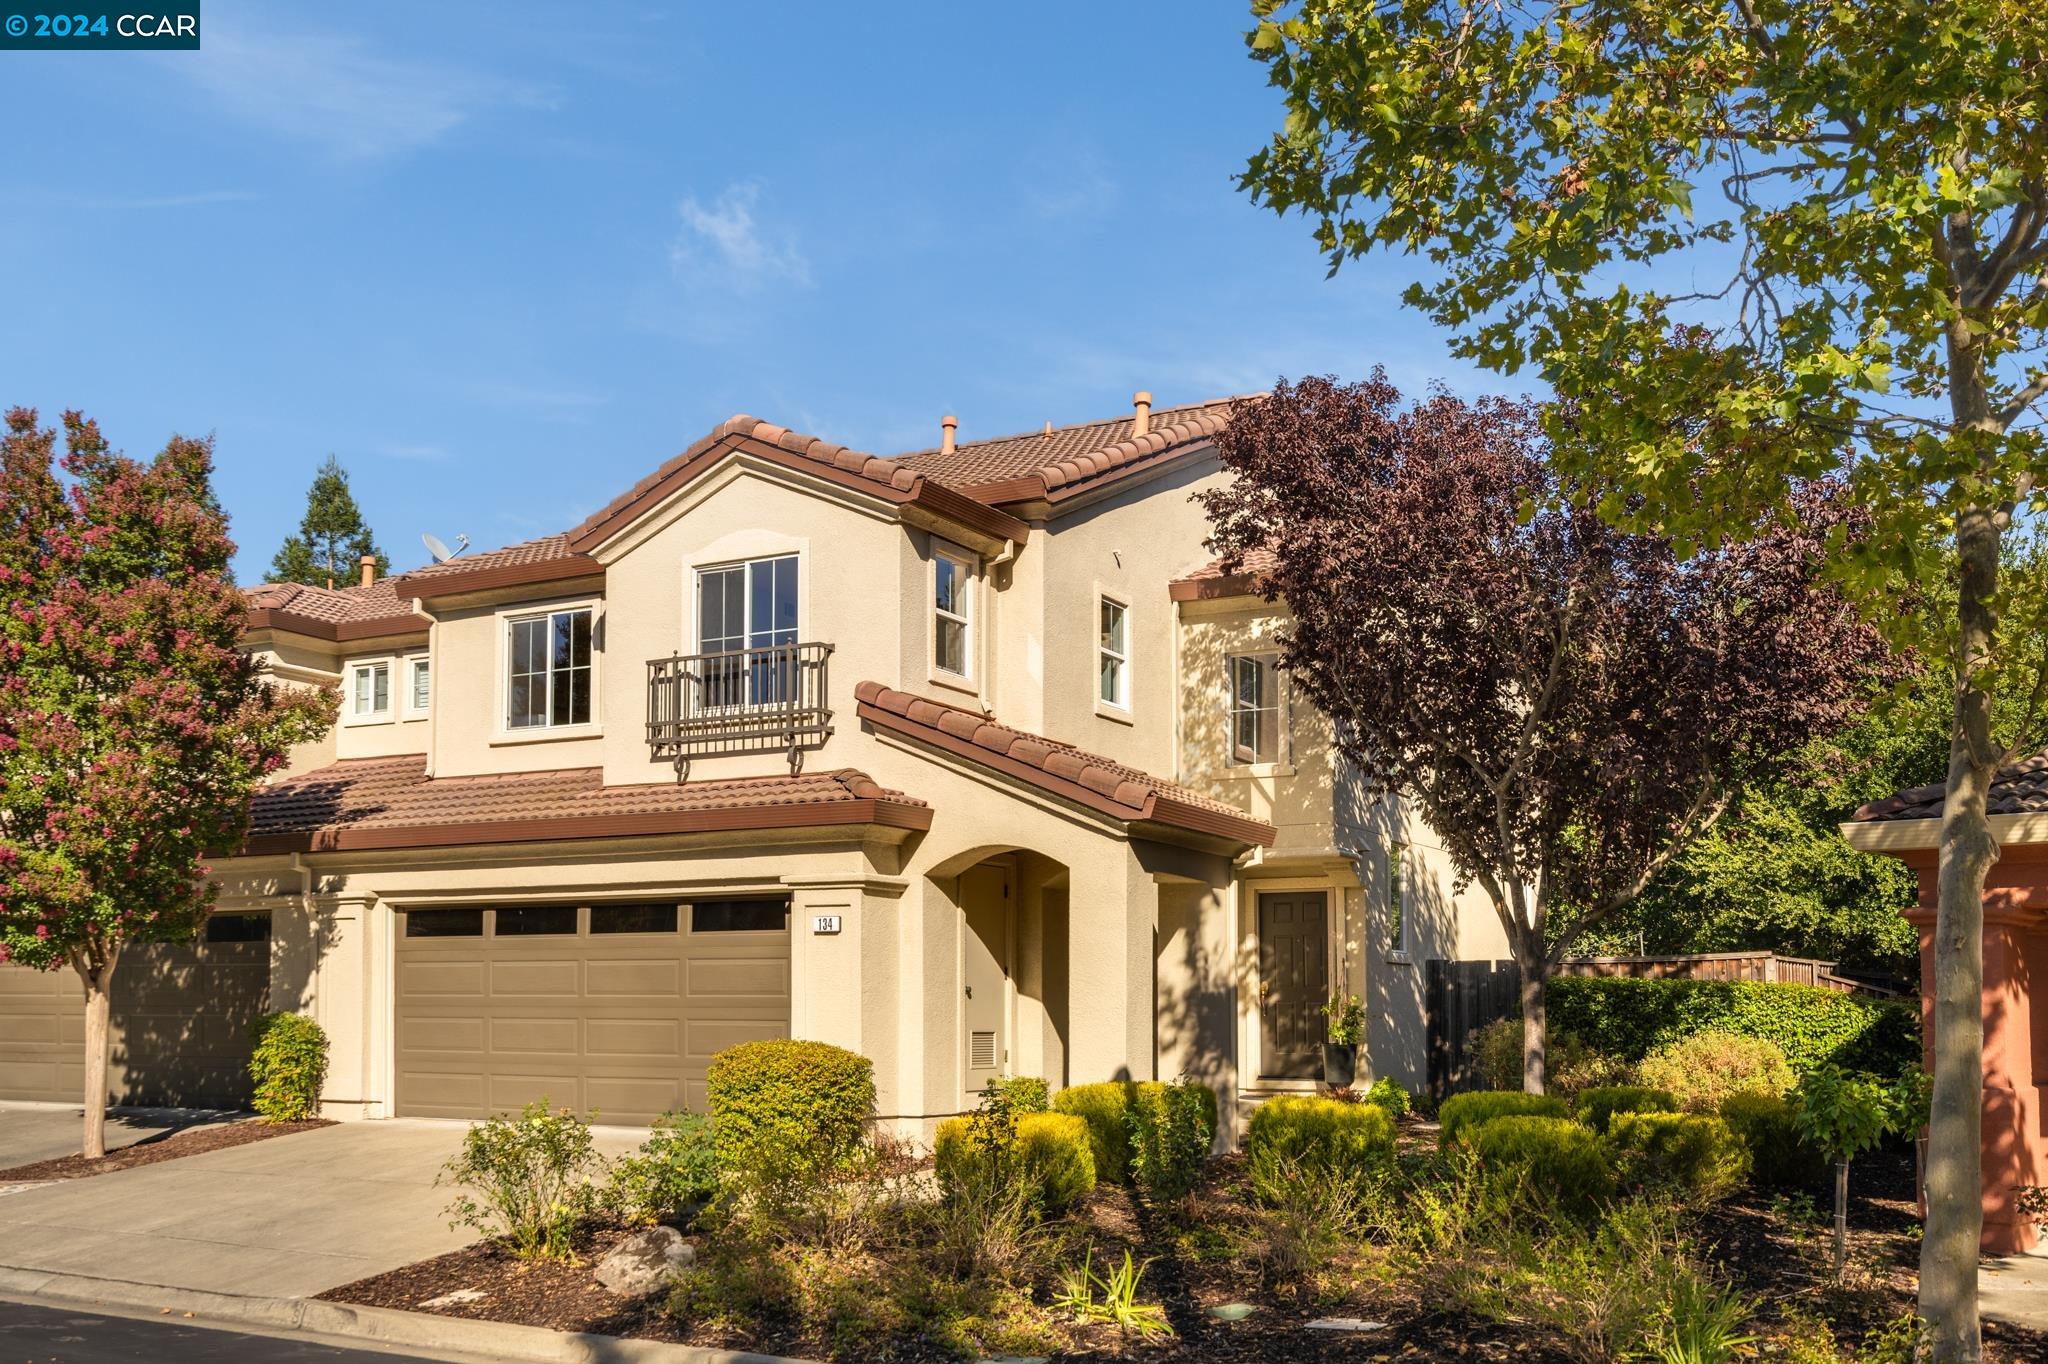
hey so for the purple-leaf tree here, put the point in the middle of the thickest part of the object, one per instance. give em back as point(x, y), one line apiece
point(133, 729)
point(1566, 704)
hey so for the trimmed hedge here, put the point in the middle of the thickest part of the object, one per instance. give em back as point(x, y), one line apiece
point(1534, 1160)
point(1629, 1018)
point(1387, 1094)
point(1463, 1111)
point(1106, 1108)
point(1053, 1152)
point(1597, 1107)
point(1301, 1136)
point(1026, 1093)
point(788, 1104)
point(1700, 1158)
point(1779, 1153)
point(287, 1067)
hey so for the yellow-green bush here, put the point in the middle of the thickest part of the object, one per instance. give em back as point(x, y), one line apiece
point(1597, 1107)
point(1107, 1108)
point(287, 1067)
point(1463, 1111)
point(788, 1104)
point(1697, 1157)
point(1053, 1153)
point(1779, 1153)
point(1299, 1135)
point(1538, 1160)
point(1702, 1070)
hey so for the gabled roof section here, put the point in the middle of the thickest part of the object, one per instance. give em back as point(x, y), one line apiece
point(366, 803)
point(332, 613)
point(1210, 581)
point(1065, 461)
point(1072, 774)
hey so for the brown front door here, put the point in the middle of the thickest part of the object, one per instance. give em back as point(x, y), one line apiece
point(1294, 982)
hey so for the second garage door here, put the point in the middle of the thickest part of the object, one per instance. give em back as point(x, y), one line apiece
point(614, 1010)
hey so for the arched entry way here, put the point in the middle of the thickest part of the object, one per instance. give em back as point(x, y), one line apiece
point(1012, 966)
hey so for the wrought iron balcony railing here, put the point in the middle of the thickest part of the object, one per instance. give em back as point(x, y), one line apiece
point(766, 700)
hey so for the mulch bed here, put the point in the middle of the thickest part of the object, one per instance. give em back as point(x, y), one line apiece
point(189, 1141)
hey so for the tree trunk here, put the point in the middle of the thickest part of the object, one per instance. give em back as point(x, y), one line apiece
point(98, 1001)
point(1535, 1020)
point(1841, 1217)
point(1955, 1208)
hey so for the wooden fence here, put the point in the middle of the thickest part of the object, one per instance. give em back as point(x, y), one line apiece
point(1461, 998)
point(1762, 966)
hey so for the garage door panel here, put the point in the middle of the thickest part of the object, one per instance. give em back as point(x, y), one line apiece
point(705, 1038)
point(457, 1034)
point(513, 978)
point(441, 1094)
point(546, 1036)
point(632, 1100)
point(739, 976)
point(447, 979)
point(660, 1038)
point(651, 978)
point(513, 1091)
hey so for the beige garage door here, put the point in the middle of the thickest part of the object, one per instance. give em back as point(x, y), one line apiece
point(180, 1028)
point(613, 1010)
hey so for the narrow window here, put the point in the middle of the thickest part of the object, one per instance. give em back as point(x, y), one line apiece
point(1254, 710)
point(444, 923)
point(952, 618)
point(371, 691)
point(632, 918)
point(739, 916)
point(1397, 899)
point(419, 687)
point(548, 670)
point(748, 610)
point(531, 920)
point(1114, 654)
point(238, 928)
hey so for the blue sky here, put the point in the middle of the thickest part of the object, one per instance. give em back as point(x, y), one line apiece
point(503, 259)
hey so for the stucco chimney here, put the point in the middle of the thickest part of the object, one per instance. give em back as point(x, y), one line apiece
point(1141, 413)
point(369, 569)
point(948, 424)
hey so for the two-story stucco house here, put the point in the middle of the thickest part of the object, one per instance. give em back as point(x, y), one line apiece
point(962, 760)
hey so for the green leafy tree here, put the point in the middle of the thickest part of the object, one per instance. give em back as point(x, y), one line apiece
point(1747, 241)
point(133, 729)
point(1843, 1115)
point(332, 538)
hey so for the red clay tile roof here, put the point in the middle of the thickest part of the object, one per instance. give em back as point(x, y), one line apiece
point(2021, 789)
point(333, 613)
point(392, 803)
point(1039, 465)
point(1060, 769)
point(1211, 581)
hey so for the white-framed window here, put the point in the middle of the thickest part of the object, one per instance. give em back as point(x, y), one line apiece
point(1258, 732)
point(419, 687)
point(953, 614)
point(550, 669)
point(369, 692)
point(1397, 900)
point(749, 609)
point(1113, 653)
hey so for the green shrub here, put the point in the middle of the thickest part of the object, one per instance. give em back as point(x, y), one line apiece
point(1535, 1161)
point(1463, 1111)
point(1569, 1064)
point(1705, 1068)
point(1630, 1018)
point(1699, 1158)
point(1052, 1152)
point(674, 1171)
point(1597, 1107)
point(1386, 1094)
point(287, 1067)
point(788, 1104)
point(1779, 1153)
point(1173, 1127)
point(1301, 1136)
point(1106, 1108)
point(528, 1179)
point(1024, 1093)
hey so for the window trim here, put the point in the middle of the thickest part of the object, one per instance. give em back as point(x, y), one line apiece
point(410, 663)
point(1122, 708)
point(350, 716)
point(503, 620)
point(969, 565)
point(1281, 764)
point(1397, 923)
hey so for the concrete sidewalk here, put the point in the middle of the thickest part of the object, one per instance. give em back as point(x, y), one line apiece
point(2014, 1290)
point(31, 1132)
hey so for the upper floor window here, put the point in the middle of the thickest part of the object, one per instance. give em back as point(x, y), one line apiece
point(952, 614)
point(549, 669)
point(1397, 899)
point(1255, 729)
point(419, 687)
point(1113, 655)
point(744, 608)
point(370, 691)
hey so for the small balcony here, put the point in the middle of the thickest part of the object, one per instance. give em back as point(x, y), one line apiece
point(772, 699)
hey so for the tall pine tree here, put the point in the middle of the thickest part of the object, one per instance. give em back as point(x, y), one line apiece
point(332, 538)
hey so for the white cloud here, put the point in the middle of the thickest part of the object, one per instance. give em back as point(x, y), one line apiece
point(722, 244)
point(332, 90)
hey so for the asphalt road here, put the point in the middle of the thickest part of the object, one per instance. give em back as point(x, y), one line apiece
point(36, 1334)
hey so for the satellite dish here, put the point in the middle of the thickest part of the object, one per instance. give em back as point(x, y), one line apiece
point(439, 548)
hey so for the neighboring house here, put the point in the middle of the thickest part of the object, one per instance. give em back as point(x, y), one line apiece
point(2015, 1112)
point(962, 760)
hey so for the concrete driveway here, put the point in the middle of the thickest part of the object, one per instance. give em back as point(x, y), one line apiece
point(35, 1132)
point(288, 1217)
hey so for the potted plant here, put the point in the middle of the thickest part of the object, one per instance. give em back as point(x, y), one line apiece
point(1346, 1015)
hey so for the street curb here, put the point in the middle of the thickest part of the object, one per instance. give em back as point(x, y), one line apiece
point(386, 1326)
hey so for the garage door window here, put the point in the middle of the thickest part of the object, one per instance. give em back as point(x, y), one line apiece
point(238, 928)
point(632, 918)
point(739, 916)
point(536, 919)
point(444, 923)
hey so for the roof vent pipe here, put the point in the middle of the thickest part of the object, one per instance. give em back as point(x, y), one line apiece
point(369, 569)
point(1141, 413)
point(948, 424)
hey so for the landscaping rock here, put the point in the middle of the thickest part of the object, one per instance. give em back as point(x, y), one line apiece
point(455, 1299)
point(641, 1264)
point(1345, 1324)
